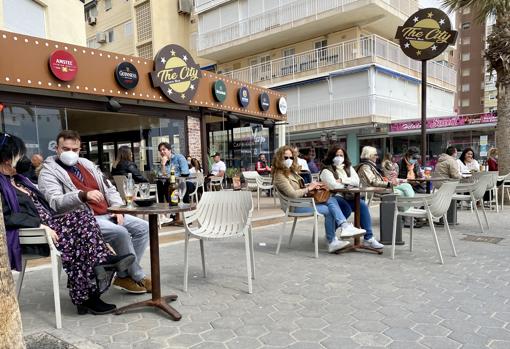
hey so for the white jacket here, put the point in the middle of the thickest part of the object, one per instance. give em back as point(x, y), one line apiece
point(328, 177)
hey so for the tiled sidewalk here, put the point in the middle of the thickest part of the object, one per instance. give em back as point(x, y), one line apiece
point(351, 300)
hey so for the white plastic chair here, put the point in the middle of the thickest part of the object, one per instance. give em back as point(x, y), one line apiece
point(505, 186)
point(221, 216)
point(250, 178)
point(198, 180)
point(288, 206)
point(475, 191)
point(29, 236)
point(263, 184)
point(436, 206)
point(493, 189)
point(215, 183)
point(119, 183)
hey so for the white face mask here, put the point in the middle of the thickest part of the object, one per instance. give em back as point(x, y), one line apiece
point(288, 163)
point(338, 160)
point(69, 158)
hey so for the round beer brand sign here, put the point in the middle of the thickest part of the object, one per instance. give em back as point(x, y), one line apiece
point(264, 101)
point(243, 97)
point(63, 65)
point(282, 105)
point(126, 75)
point(176, 73)
point(426, 34)
point(219, 91)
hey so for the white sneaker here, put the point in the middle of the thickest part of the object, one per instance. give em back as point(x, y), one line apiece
point(165, 220)
point(349, 231)
point(373, 243)
point(336, 245)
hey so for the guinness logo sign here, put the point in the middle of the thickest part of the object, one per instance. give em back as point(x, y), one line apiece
point(264, 101)
point(426, 34)
point(176, 73)
point(126, 75)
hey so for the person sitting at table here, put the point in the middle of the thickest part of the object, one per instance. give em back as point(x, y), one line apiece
point(124, 164)
point(447, 166)
point(371, 176)
point(287, 181)
point(195, 167)
point(261, 167)
point(338, 173)
point(218, 168)
point(304, 170)
point(70, 182)
point(410, 169)
point(312, 166)
point(389, 168)
point(179, 164)
point(492, 159)
point(467, 162)
point(86, 259)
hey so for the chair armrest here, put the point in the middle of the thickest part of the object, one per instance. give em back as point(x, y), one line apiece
point(418, 200)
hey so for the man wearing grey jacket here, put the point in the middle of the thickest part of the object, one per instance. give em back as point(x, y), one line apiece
point(69, 182)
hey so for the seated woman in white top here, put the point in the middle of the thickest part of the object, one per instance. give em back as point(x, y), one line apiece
point(337, 172)
point(467, 162)
point(194, 167)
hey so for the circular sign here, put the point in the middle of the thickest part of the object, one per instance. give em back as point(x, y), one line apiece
point(219, 91)
point(126, 75)
point(63, 65)
point(426, 34)
point(176, 73)
point(243, 97)
point(264, 101)
point(282, 105)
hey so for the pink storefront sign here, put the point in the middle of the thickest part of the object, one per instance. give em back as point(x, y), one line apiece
point(443, 122)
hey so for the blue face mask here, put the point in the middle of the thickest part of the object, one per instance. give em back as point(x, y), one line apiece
point(413, 161)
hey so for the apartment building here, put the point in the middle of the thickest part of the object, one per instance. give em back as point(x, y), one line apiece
point(50, 19)
point(346, 78)
point(138, 27)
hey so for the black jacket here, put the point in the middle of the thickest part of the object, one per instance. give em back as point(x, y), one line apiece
point(403, 170)
point(125, 167)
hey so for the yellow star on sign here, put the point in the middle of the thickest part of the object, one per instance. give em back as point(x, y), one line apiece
point(430, 15)
point(418, 53)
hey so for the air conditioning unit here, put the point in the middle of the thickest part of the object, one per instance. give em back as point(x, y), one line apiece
point(101, 37)
point(92, 20)
point(185, 6)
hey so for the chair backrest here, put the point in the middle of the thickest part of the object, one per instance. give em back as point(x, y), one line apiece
point(199, 179)
point(481, 186)
point(32, 236)
point(493, 175)
point(250, 177)
point(442, 198)
point(225, 213)
point(260, 180)
point(119, 183)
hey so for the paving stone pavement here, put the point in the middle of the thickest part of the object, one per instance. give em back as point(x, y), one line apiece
point(351, 300)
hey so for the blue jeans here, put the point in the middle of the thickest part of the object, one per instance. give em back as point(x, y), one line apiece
point(332, 213)
point(347, 206)
point(131, 237)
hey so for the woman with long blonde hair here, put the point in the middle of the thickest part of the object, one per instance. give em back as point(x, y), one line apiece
point(287, 181)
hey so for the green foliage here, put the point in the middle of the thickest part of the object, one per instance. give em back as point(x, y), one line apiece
point(483, 8)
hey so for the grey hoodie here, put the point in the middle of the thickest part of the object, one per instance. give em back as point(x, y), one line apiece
point(62, 194)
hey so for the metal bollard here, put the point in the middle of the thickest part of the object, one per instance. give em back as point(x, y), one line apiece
point(386, 214)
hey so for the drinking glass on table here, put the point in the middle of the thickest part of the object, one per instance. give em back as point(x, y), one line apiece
point(129, 191)
point(181, 191)
point(144, 189)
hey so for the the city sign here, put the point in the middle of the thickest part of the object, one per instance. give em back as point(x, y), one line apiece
point(426, 34)
point(176, 74)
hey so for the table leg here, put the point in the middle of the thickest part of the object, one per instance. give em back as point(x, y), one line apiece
point(157, 300)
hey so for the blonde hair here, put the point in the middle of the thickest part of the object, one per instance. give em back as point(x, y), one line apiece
point(278, 165)
point(493, 152)
point(367, 152)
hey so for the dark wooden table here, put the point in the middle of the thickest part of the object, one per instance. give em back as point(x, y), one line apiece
point(357, 211)
point(157, 300)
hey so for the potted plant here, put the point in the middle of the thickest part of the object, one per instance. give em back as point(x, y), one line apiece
point(233, 178)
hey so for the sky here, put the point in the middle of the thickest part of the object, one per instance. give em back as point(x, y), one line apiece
point(437, 4)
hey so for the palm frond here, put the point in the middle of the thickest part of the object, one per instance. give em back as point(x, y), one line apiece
point(483, 8)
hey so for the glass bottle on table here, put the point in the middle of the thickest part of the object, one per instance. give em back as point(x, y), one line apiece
point(172, 189)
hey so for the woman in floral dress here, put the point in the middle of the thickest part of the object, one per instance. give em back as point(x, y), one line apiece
point(85, 257)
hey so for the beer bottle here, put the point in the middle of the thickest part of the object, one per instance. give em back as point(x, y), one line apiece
point(172, 189)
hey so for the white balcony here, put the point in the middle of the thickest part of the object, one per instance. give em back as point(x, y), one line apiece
point(370, 49)
point(357, 110)
point(302, 19)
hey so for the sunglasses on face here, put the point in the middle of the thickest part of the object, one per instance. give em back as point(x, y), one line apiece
point(288, 157)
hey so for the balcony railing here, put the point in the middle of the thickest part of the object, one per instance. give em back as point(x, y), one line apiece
point(349, 108)
point(288, 14)
point(370, 49)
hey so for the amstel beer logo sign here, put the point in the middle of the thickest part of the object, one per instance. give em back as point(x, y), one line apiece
point(426, 34)
point(176, 73)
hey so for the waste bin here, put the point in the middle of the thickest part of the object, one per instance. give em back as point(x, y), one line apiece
point(451, 215)
point(386, 216)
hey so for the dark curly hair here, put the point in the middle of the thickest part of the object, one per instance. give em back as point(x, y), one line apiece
point(328, 160)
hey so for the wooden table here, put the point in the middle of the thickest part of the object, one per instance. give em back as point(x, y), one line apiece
point(157, 300)
point(357, 211)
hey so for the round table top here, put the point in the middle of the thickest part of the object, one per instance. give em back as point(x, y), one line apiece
point(427, 179)
point(361, 190)
point(157, 208)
